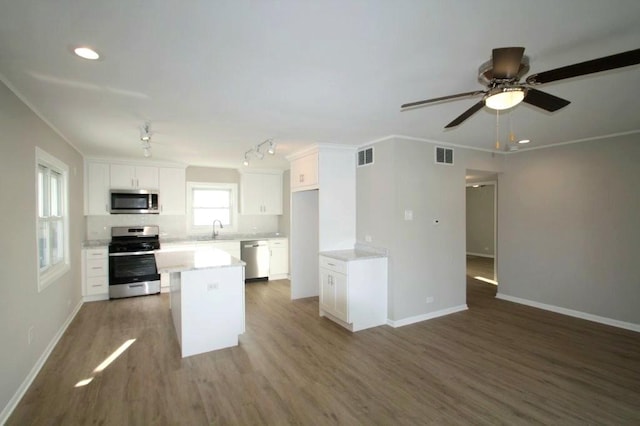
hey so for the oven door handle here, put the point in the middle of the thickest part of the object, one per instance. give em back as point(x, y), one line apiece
point(132, 253)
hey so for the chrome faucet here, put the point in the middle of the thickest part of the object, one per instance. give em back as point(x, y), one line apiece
point(215, 234)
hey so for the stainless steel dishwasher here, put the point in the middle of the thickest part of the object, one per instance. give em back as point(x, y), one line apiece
point(256, 255)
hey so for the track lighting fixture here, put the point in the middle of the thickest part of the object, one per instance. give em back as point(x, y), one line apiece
point(145, 138)
point(257, 151)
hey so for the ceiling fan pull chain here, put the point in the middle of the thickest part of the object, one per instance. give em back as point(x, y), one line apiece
point(497, 129)
point(512, 136)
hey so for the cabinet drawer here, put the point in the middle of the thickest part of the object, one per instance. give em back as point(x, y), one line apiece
point(96, 268)
point(97, 285)
point(95, 254)
point(333, 264)
point(278, 243)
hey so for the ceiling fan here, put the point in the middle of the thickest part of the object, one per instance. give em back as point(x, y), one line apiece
point(502, 76)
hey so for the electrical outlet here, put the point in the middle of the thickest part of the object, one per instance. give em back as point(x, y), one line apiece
point(212, 286)
point(408, 215)
point(367, 238)
point(30, 335)
point(430, 299)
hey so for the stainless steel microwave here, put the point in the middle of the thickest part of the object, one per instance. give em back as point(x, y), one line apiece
point(134, 201)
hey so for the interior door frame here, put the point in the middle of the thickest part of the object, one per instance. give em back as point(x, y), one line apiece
point(494, 184)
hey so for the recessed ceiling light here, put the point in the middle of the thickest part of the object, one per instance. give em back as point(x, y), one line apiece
point(523, 141)
point(86, 53)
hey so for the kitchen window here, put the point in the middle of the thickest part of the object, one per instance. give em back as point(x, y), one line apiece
point(52, 218)
point(207, 202)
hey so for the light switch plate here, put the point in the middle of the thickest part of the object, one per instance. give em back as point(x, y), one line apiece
point(408, 215)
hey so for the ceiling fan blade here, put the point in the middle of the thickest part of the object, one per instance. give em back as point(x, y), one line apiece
point(545, 100)
point(619, 60)
point(468, 113)
point(443, 98)
point(506, 61)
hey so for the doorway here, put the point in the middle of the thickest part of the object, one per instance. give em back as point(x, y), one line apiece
point(481, 226)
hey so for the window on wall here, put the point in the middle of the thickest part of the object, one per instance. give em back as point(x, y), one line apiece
point(52, 218)
point(212, 201)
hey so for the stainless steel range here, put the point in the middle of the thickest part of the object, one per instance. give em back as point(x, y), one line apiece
point(132, 264)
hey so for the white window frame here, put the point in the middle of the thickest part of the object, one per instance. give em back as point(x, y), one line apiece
point(52, 272)
point(233, 209)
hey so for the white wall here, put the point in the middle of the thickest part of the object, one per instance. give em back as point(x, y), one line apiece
point(21, 305)
point(569, 227)
point(425, 260)
point(480, 220)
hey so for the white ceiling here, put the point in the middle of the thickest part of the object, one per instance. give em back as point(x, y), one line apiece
point(215, 78)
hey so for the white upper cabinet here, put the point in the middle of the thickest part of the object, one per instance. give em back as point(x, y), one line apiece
point(261, 193)
point(125, 176)
point(172, 183)
point(97, 188)
point(304, 172)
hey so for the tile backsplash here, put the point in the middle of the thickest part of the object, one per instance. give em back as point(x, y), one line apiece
point(171, 226)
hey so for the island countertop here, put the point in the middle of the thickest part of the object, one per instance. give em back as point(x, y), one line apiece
point(351, 254)
point(192, 260)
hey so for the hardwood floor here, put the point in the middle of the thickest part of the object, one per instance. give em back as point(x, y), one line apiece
point(478, 266)
point(497, 363)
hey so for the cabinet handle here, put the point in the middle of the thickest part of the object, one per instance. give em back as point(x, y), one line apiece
point(96, 267)
point(331, 264)
point(96, 285)
point(301, 178)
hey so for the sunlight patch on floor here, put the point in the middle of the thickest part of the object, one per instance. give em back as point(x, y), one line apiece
point(104, 364)
point(486, 280)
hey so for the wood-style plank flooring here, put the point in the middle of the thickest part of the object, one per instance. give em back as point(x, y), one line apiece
point(496, 363)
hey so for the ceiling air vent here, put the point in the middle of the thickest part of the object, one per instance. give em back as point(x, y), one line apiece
point(365, 157)
point(444, 155)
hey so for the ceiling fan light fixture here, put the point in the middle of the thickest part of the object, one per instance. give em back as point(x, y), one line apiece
point(504, 97)
point(86, 53)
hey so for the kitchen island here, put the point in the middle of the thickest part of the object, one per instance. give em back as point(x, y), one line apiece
point(206, 297)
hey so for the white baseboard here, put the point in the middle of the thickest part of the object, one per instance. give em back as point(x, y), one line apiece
point(13, 402)
point(480, 254)
point(571, 312)
point(95, 298)
point(424, 317)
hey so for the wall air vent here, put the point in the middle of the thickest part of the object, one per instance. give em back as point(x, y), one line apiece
point(444, 155)
point(365, 157)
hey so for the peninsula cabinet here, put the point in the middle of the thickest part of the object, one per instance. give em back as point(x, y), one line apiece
point(125, 176)
point(353, 288)
point(261, 193)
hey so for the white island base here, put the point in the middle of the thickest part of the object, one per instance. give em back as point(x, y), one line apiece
point(207, 298)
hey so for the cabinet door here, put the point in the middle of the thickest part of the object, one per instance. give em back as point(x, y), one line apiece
point(341, 292)
point(97, 189)
point(279, 261)
point(251, 193)
point(272, 194)
point(146, 177)
point(304, 172)
point(327, 292)
point(122, 176)
point(172, 190)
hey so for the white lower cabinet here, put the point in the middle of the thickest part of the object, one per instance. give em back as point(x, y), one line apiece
point(95, 274)
point(279, 259)
point(353, 292)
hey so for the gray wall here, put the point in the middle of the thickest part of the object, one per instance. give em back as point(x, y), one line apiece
point(425, 260)
point(21, 305)
point(284, 220)
point(569, 227)
point(480, 220)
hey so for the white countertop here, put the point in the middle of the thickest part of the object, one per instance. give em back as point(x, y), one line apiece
point(351, 254)
point(192, 260)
